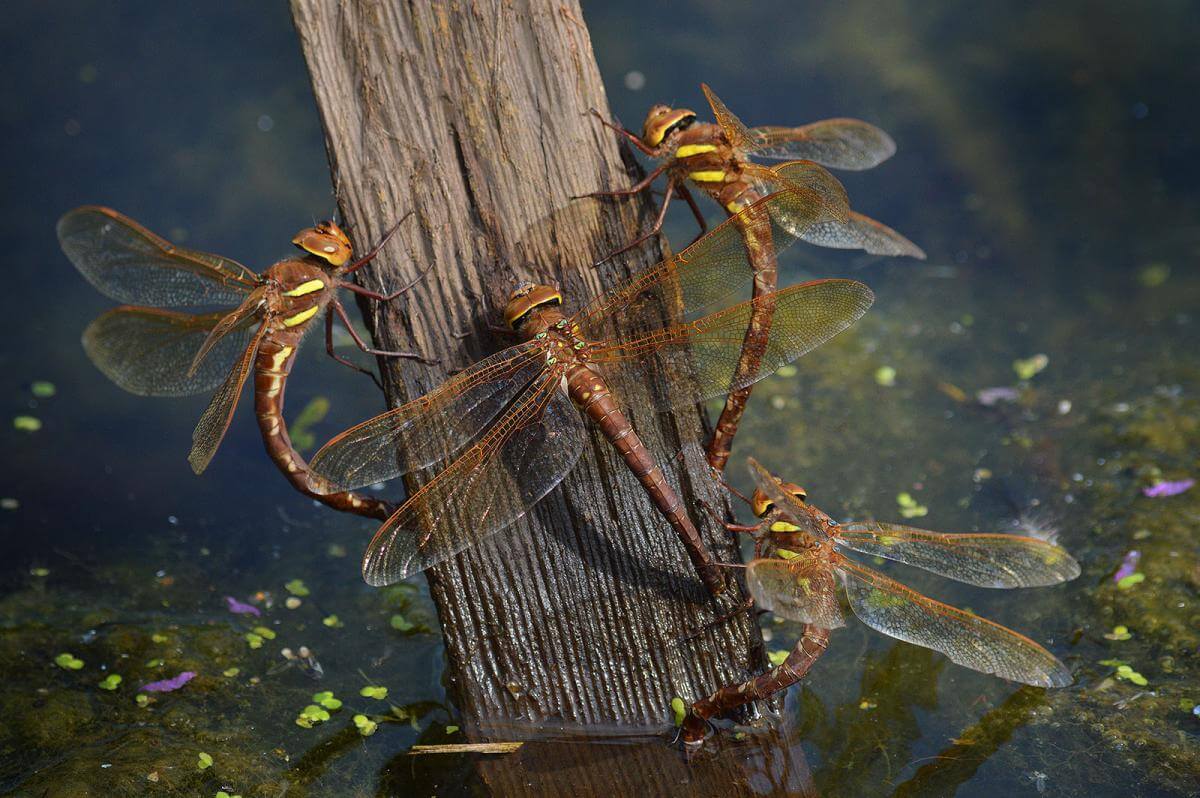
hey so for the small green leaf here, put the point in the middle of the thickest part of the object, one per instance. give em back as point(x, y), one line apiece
point(366, 726)
point(39, 572)
point(111, 682)
point(159, 638)
point(142, 699)
point(451, 729)
point(203, 761)
point(43, 389)
point(264, 633)
point(372, 691)
point(786, 371)
point(1030, 367)
point(1128, 582)
point(402, 624)
point(678, 710)
point(332, 622)
point(68, 661)
point(777, 658)
point(297, 587)
point(885, 376)
point(27, 423)
point(254, 640)
point(231, 672)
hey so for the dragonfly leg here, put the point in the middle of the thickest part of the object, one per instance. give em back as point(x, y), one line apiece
point(358, 289)
point(370, 256)
point(628, 134)
point(745, 606)
point(716, 516)
point(808, 650)
point(683, 191)
point(636, 188)
point(658, 223)
point(339, 358)
point(341, 311)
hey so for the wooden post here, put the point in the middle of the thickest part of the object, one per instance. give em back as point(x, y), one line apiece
point(474, 114)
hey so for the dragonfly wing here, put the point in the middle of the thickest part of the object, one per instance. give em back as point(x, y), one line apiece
point(148, 352)
point(210, 431)
point(430, 428)
point(862, 232)
point(799, 589)
point(699, 360)
point(736, 133)
point(492, 484)
point(889, 607)
point(714, 268)
point(836, 143)
point(986, 560)
point(128, 263)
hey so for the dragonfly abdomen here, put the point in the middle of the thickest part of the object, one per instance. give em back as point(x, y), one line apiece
point(589, 391)
point(272, 365)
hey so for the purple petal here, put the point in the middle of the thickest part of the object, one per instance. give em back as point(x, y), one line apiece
point(167, 685)
point(991, 396)
point(1128, 565)
point(240, 608)
point(1168, 488)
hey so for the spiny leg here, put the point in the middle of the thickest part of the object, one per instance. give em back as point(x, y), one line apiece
point(333, 354)
point(341, 311)
point(658, 223)
point(628, 134)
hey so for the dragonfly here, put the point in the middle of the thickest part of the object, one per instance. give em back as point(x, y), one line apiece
point(148, 348)
point(717, 159)
point(799, 564)
point(512, 427)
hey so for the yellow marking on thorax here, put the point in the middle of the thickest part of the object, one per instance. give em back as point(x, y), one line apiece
point(737, 205)
point(300, 317)
point(309, 287)
point(784, 526)
point(688, 150)
point(713, 176)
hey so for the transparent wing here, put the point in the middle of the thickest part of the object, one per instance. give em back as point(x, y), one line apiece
point(491, 485)
point(862, 232)
point(430, 428)
point(148, 351)
point(800, 589)
point(986, 560)
point(128, 263)
point(968, 640)
point(701, 359)
point(854, 231)
point(210, 431)
point(719, 264)
point(836, 143)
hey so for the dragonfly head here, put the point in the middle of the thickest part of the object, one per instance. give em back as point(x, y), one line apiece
point(663, 122)
point(527, 298)
point(762, 504)
point(327, 242)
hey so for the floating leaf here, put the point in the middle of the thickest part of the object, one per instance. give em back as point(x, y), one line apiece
point(27, 423)
point(1128, 565)
point(678, 710)
point(332, 622)
point(43, 389)
point(264, 632)
point(297, 587)
point(885, 376)
point(313, 413)
point(401, 624)
point(292, 602)
point(909, 508)
point(203, 761)
point(159, 638)
point(327, 700)
point(39, 572)
point(1030, 367)
point(231, 672)
point(1131, 580)
point(867, 705)
point(786, 371)
point(142, 699)
point(1118, 633)
point(372, 691)
point(366, 726)
point(111, 682)
point(1154, 275)
point(778, 657)
point(254, 640)
point(68, 661)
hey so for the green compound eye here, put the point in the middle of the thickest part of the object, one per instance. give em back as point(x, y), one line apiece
point(540, 335)
point(579, 344)
point(561, 323)
point(551, 360)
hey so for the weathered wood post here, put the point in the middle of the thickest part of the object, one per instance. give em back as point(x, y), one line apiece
point(475, 116)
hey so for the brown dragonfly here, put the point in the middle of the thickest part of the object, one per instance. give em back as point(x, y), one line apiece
point(510, 417)
point(799, 564)
point(150, 351)
point(716, 158)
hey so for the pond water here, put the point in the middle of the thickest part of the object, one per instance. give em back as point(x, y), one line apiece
point(1048, 164)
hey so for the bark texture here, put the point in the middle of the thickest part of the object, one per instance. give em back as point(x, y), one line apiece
point(474, 115)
